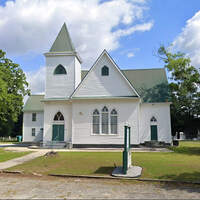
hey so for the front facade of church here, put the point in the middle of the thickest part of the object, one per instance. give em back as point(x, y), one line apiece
point(90, 108)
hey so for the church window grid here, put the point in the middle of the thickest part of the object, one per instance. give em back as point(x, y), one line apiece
point(153, 119)
point(105, 122)
point(60, 70)
point(33, 132)
point(58, 116)
point(34, 117)
point(96, 122)
point(105, 71)
point(113, 122)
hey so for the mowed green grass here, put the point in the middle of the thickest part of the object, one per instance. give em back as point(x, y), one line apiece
point(179, 165)
point(8, 155)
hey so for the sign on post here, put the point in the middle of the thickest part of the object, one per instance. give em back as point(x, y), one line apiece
point(127, 149)
point(127, 170)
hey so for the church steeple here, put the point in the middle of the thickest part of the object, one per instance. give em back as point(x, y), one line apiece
point(63, 67)
point(63, 42)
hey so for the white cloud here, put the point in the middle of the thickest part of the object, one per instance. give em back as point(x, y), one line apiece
point(36, 80)
point(188, 40)
point(139, 27)
point(130, 55)
point(32, 26)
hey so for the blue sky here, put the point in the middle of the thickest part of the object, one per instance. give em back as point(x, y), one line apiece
point(169, 18)
point(161, 21)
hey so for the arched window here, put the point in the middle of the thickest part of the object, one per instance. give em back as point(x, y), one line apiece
point(104, 71)
point(104, 120)
point(113, 121)
point(60, 70)
point(153, 119)
point(96, 122)
point(58, 117)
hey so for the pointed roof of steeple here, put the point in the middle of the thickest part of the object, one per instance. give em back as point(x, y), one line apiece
point(63, 41)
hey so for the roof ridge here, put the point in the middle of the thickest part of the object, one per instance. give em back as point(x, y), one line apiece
point(134, 69)
point(143, 69)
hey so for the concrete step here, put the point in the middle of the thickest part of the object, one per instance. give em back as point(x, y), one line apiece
point(155, 144)
point(54, 145)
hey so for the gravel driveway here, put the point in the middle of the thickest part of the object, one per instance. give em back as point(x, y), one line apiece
point(26, 187)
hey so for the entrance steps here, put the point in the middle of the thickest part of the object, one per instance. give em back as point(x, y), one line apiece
point(156, 144)
point(55, 145)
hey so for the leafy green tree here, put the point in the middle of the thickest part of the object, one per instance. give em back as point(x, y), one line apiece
point(13, 88)
point(184, 87)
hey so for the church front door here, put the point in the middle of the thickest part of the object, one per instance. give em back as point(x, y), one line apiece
point(58, 132)
point(154, 132)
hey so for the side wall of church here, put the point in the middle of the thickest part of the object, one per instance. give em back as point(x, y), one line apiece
point(82, 114)
point(28, 124)
point(161, 111)
point(77, 72)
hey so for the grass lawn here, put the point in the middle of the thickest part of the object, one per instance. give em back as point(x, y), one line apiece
point(8, 142)
point(182, 164)
point(8, 155)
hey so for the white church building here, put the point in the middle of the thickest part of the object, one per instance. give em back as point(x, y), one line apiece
point(89, 108)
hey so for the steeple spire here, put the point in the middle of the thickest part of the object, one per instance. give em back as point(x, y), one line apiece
point(63, 41)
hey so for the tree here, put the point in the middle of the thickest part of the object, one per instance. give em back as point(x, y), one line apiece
point(184, 88)
point(13, 88)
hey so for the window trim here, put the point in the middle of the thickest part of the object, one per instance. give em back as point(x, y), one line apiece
point(106, 72)
point(108, 122)
point(99, 124)
point(113, 115)
point(59, 66)
point(59, 120)
point(33, 130)
point(153, 119)
point(104, 134)
point(34, 117)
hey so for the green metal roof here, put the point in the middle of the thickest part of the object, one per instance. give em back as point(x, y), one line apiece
point(34, 103)
point(63, 41)
point(151, 84)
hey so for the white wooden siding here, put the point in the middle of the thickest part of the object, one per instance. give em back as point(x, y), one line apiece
point(61, 85)
point(82, 121)
point(78, 121)
point(96, 85)
point(161, 111)
point(28, 124)
point(50, 109)
point(77, 72)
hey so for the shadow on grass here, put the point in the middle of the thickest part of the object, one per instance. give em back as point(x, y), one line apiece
point(189, 177)
point(194, 176)
point(104, 170)
point(186, 150)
